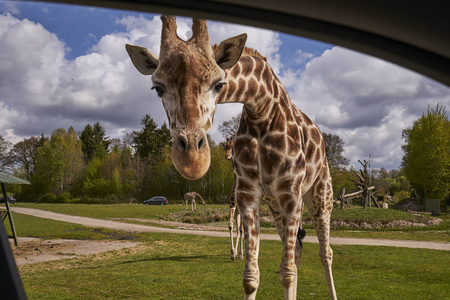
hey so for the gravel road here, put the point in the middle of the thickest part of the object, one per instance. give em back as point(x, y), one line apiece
point(97, 223)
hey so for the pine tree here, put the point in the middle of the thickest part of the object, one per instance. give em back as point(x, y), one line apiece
point(92, 138)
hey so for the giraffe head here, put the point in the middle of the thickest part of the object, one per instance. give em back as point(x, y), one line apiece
point(228, 146)
point(188, 76)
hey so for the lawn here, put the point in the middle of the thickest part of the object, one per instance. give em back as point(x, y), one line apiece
point(30, 226)
point(439, 233)
point(171, 266)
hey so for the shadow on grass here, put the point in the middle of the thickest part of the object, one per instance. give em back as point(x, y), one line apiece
point(180, 259)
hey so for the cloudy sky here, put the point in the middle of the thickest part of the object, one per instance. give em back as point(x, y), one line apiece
point(64, 66)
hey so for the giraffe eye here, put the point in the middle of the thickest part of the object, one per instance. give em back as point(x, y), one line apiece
point(158, 90)
point(218, 86)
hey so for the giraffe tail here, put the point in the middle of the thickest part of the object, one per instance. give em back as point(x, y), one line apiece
point(301, 235)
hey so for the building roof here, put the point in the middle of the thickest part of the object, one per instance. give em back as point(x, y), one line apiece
point(6, 178)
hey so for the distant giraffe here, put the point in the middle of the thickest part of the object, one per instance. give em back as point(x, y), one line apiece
point(239, 225)
point(278, 151)
point(191, 196)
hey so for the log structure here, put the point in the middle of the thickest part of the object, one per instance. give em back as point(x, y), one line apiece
point(366, 192)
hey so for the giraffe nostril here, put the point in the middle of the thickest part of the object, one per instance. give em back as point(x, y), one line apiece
point(182, 143)
point(201, 143)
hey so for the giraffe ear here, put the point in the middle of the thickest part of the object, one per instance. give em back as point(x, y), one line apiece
point(145, 61)
point(230, 50)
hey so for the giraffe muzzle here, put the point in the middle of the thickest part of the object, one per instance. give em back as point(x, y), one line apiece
point(191, 154)
point(187, 143)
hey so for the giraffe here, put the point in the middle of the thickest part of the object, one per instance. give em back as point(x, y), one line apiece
point(191, 196)
point(278, 151)
point(232, 210)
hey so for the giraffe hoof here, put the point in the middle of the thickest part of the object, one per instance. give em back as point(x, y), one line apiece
point(250, 286)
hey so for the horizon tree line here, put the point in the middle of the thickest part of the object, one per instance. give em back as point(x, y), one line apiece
point(69, 166)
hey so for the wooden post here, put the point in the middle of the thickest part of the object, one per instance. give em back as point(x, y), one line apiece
point(375, 199)
point(9, 214)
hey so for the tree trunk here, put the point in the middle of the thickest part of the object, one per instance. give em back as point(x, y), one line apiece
point(342, 197)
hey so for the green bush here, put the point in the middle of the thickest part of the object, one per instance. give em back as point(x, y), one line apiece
point(203, 215)
point(64, 197)
point(49, 198)
point(401, 195)
point(67, 198)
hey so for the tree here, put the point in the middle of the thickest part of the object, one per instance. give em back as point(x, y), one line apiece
point(4, 149)
point(92, 138)
point(150, 141)
point(334, 149)
point(426, 159)
point(59, 163)
point(100, 136)
point(229, 128)
point(88, 145)
point(23, 153)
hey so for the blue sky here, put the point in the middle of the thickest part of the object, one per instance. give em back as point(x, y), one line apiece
point(81, 27)
point(65, 65)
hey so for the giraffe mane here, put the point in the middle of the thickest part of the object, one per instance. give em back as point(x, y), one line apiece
point(247, 52)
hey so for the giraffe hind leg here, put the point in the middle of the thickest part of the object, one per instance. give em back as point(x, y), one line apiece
point(319, 206)
point(301, 235)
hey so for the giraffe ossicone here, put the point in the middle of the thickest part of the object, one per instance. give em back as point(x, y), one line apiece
point(278, 152)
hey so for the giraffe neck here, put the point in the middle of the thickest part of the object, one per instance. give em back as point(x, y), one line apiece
point(253, 83)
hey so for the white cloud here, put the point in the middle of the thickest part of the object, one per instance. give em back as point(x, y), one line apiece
point(267, 42)
point(10, 7)
point(303, 57)
point(47, 91)
point(366, 101)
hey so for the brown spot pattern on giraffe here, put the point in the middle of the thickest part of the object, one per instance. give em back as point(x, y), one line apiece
point(279, 154)
point(252, 88)
point(241, 88)
point(246, 65)
point(236, 70)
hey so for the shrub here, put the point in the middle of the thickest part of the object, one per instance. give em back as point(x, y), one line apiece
point(401, 195)
point(48, 198)
point(64, 197)
point(199, 216)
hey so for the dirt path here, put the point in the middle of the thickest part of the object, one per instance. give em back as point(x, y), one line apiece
point(33, 250)
point(90, 222)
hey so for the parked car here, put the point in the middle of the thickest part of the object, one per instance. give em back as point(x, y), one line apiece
point(10, 199)
point(159, 200)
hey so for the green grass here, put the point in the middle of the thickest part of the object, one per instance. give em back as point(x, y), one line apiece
point(193, 267)
point(108, 211)
point(29, 226)
point(371, 215)
point(169, 266)
point(439, 233)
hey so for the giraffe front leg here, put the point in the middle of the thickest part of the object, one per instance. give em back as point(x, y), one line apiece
point(288, 223)
point(288, 267)
point(240, 236)
point(249, 210)
point(230, 228)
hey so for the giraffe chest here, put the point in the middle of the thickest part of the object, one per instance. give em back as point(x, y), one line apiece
point(265, 164)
